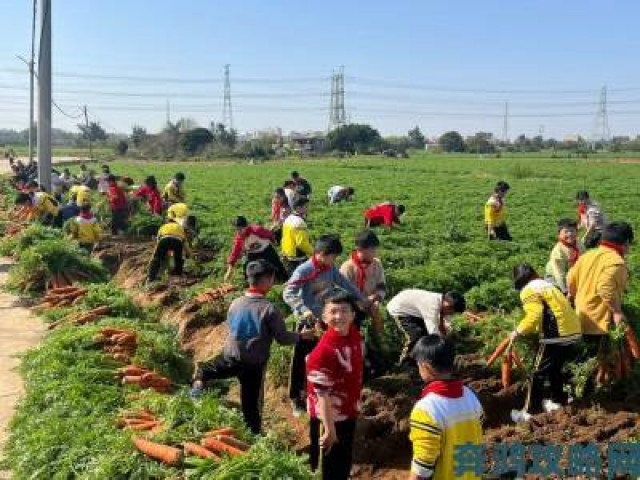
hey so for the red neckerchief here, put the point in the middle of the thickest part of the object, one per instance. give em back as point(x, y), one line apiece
point(86, 215)
point(574, 252)
point(317, 270)
point(613, 246)
point(447, 388)
point(582, 209)
point(362, 269)
point(319, 267)
point(257, 291)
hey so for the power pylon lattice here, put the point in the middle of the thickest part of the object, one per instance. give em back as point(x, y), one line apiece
point(601, 130)
point(337, 114)
point(505, 125)
point(227, 111)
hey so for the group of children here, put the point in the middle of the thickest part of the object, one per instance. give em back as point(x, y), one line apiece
point(330, 303)
point(77, 216)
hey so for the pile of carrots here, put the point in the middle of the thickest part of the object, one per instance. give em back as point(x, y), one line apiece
point(119, 343)
point(511, 356)
point(144, 378)
point(80, 318)
point(622, 359)
point(214, 445)
point(61, 297)
point(60, 280)
point(212, 294)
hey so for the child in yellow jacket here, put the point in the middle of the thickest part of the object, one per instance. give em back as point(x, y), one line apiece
point(548, 313)
point(85, 228)
point(495, 214)
point(447, 415)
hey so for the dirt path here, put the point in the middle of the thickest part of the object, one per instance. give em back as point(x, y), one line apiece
point(19, 330)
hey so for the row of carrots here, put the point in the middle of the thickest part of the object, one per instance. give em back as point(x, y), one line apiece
point(622, 365)
point(213, 445)
point(81, 318)
point(212, 294)
point(61, 297)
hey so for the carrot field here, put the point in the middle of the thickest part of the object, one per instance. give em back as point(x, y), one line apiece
point(67, 425)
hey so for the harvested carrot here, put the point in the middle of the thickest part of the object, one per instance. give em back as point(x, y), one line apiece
point(131, 380)
point(220, 447)
point(220, 431)
point(234, 442)
point(191, 448)
point(632, 342)
point(132, 370)
point(104, 310)
point(139, 427)
point(498, 351)
point(506, 368)
point(163, 453)
point(517, 360)
point(56, 291)
point(109, 331)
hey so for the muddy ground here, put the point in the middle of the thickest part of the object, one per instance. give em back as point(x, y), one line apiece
point(382, 448)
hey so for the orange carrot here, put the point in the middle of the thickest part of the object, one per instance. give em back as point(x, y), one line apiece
point(191, 448)
point(132, 370)
point(143, 426)
point(220, 447)
point(163, 453)
point(56, 291)
point(234, 442)
point(632, 342)
point(220, 431)
point(104, 310)
point(516, 358)
point(109, 331)
point(131, 380)
point(507, 366)
point(498, 351)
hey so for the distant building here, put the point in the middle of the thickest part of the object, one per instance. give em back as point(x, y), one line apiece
point(307, 143)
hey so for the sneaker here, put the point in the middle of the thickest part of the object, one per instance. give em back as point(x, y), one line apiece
point(196, 392)
point(520, 416)
point(550, 406)
point(297, 409)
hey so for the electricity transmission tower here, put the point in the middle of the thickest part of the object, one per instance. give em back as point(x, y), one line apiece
point(601, 131)
point(227, 112)
point(505, 125)
point(337, 115)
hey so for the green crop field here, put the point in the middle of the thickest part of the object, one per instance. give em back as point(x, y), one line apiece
point(442, 243)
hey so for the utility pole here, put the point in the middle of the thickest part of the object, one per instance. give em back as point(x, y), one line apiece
point(44, 96)
point(227, 111)
point(168, 112)
point(31, 75)
point(88, 132)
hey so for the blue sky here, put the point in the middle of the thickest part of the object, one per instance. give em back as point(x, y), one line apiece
point(440, 65)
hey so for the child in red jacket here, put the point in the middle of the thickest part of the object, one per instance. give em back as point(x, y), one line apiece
point(334, 386)
point(119, 206)
point(385, 214)
point(254, 241)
